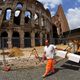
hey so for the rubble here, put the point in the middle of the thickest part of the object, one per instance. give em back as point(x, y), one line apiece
point(15, 52)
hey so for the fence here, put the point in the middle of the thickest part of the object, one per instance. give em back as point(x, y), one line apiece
point(27, 41)
point(16, 42)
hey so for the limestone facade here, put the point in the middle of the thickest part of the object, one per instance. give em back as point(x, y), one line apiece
point(24, 23)
point(59, 22)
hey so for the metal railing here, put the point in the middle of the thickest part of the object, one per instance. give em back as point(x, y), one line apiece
point(27, 41)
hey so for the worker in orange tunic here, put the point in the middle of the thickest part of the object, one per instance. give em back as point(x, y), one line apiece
point(49, 52)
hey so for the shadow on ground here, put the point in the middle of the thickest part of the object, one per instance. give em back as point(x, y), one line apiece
point(56, 70)
point(71, 65)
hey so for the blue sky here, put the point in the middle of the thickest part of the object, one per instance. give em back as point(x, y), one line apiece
point(71, 9)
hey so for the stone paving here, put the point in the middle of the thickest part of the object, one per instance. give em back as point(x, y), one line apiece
point(65, 70)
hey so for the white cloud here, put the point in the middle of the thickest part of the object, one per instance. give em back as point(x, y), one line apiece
point(73, 17)
point(52, 13)
point(51, 4)
point(78, 0)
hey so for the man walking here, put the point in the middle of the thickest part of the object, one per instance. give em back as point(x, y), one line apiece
point(49, 52)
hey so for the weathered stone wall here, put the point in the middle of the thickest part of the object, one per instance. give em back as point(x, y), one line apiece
point(60, 21)
point(36, 22)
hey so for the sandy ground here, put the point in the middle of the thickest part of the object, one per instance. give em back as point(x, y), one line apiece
point(24, 69)
point(28, 51)
point(64, 70)
point(27, 60)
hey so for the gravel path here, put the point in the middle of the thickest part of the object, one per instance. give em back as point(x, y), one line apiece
point(65, 70)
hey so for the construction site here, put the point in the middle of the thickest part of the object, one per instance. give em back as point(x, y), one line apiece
point(22, 40)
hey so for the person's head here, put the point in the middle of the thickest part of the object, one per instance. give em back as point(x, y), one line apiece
point(46, 42)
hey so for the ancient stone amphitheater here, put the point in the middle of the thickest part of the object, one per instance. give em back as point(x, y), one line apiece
point(24, 23)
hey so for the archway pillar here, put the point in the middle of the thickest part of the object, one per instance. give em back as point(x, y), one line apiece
point(9, 42)
point(0, 39)
point(32, 39)
point(41, 36)
point(22, 39)
point(22, 19)
point(39, 20)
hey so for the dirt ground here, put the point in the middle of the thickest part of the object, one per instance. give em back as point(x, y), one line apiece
point(28, 59)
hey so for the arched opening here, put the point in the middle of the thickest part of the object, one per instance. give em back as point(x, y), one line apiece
point(60, 31)
point(36, 18)
point(3, 0)
point(27, 39)
point(37, 39)
point(6, 18)
point(28, 16)
point(55, 34)
point(17, 17)
point(19, 5)
point(0, 12)
point(7, 15)
point(16, 39)
point(42, 21)
point(4, 39)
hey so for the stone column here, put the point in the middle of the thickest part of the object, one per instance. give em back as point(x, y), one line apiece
point(1, 18)
point(22, 18)
point(41, 36)
point(9, 42)
point(21, 39)
point(0, 39)
point(32, 39)
point(39, 21)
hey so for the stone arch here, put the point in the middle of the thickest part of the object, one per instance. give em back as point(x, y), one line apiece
point(37, 39)
point(4, 39)
point(28, 16)
point(17, 16)
point(42, 21)
point(15, 39)
point(19, 5)
point(55, 34)
point(0, 11)
point(59, 29)
point(27, 39)
point(3, 0)
point(6, 18)
point(7, 14)
point(36, 18)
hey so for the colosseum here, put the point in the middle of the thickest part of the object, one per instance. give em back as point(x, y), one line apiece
point(24, 23)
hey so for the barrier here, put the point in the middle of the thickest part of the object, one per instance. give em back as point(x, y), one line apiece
point(70, 56)
point(61, 53)
point(73, 57)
